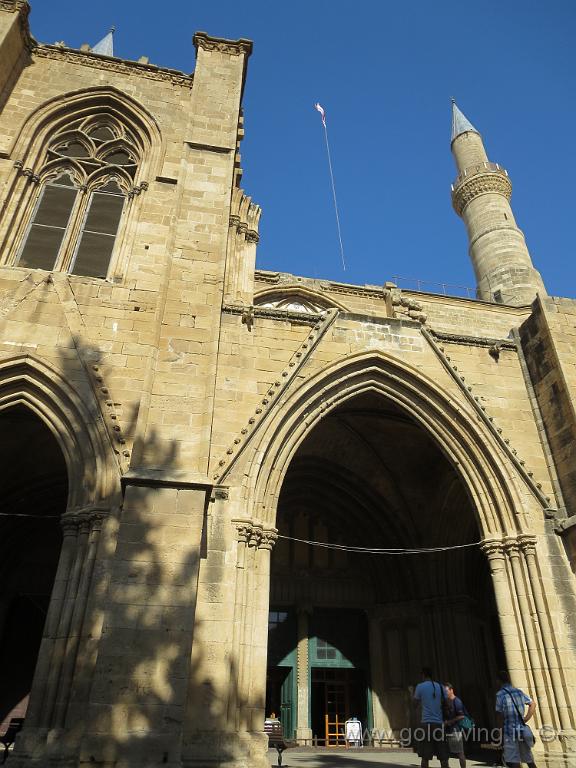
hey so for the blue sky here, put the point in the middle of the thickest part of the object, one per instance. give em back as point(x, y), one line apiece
point(385, 72)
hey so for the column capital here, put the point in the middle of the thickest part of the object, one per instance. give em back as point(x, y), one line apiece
point(243, 530)
point(527, 543)
point(512, 547)
point(493, 549)
point(268, 538)
point(70, 521)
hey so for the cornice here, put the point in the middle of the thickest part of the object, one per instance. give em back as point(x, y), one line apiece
point(481, 184)
point(112, 64)
point(270, 313)
point(473, 341)
point(222, 45)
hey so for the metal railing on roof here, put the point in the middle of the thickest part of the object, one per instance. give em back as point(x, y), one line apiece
point(451, 289)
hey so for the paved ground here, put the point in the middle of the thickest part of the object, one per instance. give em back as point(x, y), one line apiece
point(356, 758)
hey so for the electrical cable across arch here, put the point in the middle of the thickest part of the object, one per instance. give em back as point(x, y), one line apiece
point(381, 551)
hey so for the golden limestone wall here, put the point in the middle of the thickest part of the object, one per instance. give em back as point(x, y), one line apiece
point(191, 367)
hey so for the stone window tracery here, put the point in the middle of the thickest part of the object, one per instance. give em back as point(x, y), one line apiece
point(85, 185)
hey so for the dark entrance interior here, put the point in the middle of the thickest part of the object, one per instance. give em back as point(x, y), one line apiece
point(33, 495)
point(367, 476)
point(337, 695)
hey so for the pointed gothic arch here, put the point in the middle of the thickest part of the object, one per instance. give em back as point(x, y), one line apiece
point(76, 425)
point(56, 113)
point(499, 497)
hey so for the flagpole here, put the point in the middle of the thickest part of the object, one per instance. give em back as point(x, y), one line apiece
point(333, 185)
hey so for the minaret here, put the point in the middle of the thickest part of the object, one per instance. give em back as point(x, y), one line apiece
point(481, 196)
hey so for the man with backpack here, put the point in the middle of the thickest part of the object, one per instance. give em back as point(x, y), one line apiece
point(458, 723)
point(517, 738)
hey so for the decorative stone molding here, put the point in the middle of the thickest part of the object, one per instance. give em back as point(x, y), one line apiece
point(122, 66)
point(481, 184)
point(496, 431)
point(527, 544)
point(254, 535)
point(269, 313)
point(474, 341)
point(493, 549)
point(274, 392)
point(83, 520)
point(220, 44)
point(244, 215)
point(407, 306)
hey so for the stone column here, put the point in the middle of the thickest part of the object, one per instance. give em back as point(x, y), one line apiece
point(243, 530)
point(512, 549)
point(376, 651)
point(37, 715)
point(246, 629)
point(90, 522)
point(554, 662)
point(494, 551)
point(261, 599)
point(303, 729)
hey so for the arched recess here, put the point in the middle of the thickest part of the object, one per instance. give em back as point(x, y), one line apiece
point(468, 445)
point(56, 113)
point(311, 301)
point(59, 534)
point(508, 513)
point(93, 476)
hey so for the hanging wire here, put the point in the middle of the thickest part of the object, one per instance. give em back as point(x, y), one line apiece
point(378, 551)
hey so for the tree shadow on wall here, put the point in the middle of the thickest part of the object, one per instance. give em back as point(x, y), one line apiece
point(143, 682)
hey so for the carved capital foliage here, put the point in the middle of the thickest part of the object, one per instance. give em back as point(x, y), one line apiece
point(512, 548)
point(269, 538)
point(493, 549)
point(83, 520)
point(480, 184)
point(243, 530)
point(527, 545)
point(253, 535)
point(231, 47)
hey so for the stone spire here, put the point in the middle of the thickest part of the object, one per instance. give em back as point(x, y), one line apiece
point(106, 45)
point(481, 196)
point(460, 123)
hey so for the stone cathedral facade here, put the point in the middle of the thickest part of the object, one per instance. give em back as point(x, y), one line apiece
point(177, 425)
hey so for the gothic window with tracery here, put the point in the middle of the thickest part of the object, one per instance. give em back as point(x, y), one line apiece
point(84, 184)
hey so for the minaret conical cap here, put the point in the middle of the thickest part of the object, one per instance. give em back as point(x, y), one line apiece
point(460, 123)
point(106, 45)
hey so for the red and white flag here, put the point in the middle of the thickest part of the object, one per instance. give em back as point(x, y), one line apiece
point(323, 114)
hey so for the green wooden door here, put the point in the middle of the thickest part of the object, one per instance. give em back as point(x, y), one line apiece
point(287, 705)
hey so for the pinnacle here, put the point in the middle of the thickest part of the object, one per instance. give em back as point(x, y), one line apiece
point(460, 123)
point(106, 45)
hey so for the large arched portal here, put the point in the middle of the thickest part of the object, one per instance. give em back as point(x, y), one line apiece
point(349, 631)
point(33, 496)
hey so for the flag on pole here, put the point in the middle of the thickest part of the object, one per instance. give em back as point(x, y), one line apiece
point(322, 112)
point(319, 108)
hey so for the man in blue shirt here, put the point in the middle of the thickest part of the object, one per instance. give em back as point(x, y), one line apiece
point(510, 705)
point(431, 741)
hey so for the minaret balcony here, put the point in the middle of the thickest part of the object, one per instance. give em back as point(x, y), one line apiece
point(480, 168)
point(480, 179)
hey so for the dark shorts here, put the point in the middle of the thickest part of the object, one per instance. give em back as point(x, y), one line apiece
point(430, 741)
